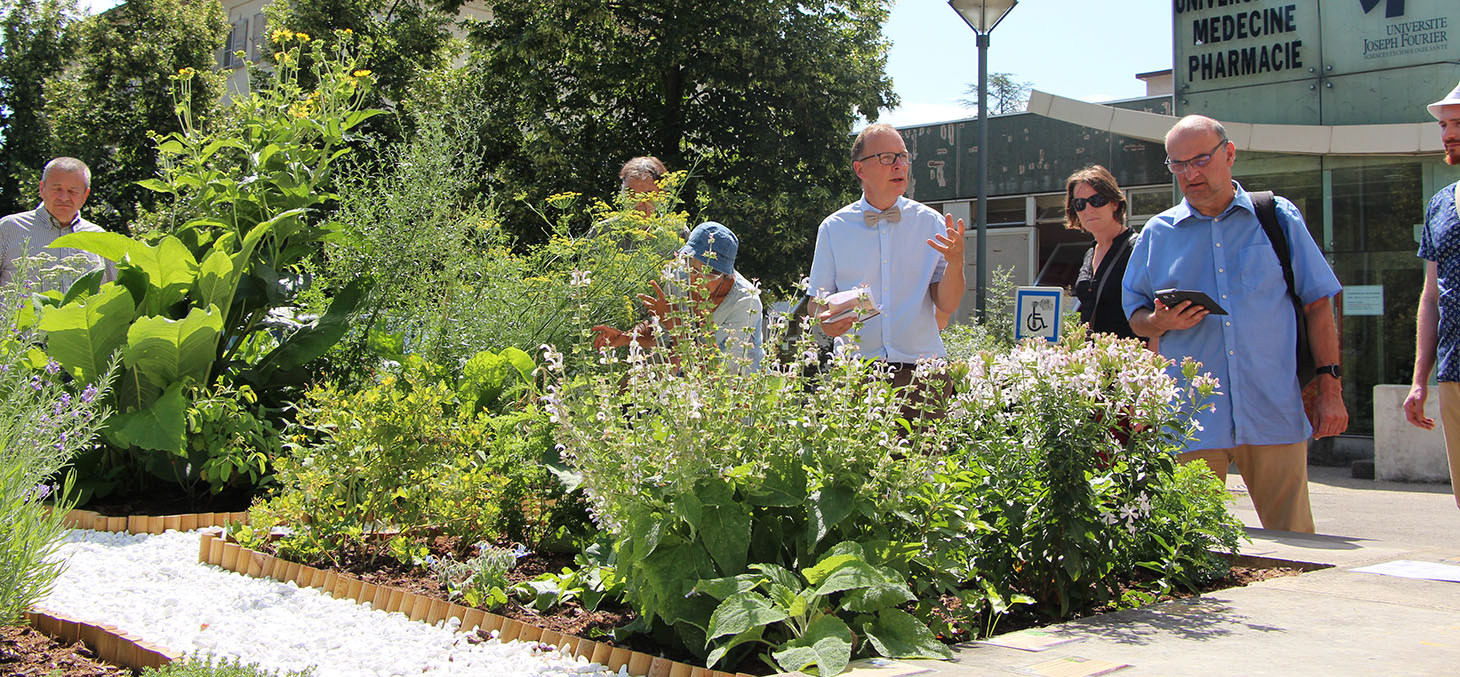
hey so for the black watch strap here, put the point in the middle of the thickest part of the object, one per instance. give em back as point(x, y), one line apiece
point(1333, 369)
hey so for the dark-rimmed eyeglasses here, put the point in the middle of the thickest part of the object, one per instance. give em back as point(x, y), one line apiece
point(1184, 166)
point(888, 158)
point(1096, 200)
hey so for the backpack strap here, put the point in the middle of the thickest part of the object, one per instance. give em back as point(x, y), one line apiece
point(1265, 206)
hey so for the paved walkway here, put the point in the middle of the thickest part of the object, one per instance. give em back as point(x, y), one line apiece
point(1329, 622)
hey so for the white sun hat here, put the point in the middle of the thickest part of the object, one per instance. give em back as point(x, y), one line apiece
point(1451, 99)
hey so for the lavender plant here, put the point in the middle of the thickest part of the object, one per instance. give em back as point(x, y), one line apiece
point(43, 424)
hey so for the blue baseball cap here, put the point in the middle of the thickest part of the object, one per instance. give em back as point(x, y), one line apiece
point(714, 245)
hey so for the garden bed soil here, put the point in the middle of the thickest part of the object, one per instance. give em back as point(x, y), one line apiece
point(571, 618)
point(25, 651)
point(173, 502)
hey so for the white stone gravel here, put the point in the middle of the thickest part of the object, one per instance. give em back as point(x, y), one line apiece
point(154, 588)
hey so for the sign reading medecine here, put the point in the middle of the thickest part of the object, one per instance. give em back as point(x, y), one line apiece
point(1223, 43)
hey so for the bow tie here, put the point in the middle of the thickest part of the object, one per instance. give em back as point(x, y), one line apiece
point(873, 217)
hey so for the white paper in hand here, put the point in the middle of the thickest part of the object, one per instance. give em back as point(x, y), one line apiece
point(852, 303)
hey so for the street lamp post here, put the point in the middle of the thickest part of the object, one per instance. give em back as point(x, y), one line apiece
point(982, 16)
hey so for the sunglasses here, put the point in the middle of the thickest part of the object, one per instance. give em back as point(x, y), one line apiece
point(1096, 200)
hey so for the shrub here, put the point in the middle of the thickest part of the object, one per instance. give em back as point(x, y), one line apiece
point(42, 426)
point(405, 454)
point(1035, 488)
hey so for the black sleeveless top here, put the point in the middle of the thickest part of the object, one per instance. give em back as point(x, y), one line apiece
point(1109, 317)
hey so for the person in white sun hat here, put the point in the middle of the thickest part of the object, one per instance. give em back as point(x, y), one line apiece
point(1438, 320)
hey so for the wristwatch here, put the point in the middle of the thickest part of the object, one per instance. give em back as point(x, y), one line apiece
point(1332, 369)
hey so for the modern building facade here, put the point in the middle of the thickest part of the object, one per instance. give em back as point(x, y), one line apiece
point(1325, 102)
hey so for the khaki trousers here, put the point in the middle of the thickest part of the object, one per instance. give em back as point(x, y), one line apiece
point(1276, 476)
point(1450, 423)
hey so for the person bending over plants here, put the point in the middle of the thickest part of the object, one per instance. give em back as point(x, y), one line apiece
point(714, 289)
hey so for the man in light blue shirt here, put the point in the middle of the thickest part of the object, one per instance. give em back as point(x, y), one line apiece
point(907, 256)
point(1213, 242)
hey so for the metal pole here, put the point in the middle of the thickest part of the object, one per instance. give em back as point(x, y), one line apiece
point(982, 285)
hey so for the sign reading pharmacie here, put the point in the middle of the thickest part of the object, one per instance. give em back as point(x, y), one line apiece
point(1230, 43)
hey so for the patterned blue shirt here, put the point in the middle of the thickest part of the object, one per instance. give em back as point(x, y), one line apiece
point(1252, 352)
point(894, 262)
point(1440, 242)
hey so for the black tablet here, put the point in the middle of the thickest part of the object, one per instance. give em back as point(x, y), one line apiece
point(1174, 297)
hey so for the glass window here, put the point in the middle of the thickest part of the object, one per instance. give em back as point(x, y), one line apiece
point(1049, 208)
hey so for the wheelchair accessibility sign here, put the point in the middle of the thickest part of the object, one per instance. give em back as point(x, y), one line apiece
point(1037, 312)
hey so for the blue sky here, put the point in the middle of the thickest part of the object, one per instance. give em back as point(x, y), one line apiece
point(1085, 49)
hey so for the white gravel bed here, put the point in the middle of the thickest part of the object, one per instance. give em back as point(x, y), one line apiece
point(153, 587)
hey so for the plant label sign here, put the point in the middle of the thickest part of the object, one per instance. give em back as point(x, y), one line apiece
point(1037, 312)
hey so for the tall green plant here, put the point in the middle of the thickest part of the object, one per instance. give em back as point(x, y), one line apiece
point(194, 305)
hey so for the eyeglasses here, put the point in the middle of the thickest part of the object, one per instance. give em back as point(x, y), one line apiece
point(888, 158)
point(1096, 200)
point(1184, 166)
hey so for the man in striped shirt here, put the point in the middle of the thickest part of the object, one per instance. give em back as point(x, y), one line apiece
point(65, 185)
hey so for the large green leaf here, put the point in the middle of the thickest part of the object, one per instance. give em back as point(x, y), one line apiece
point(82, 336)
point(876, 597)
point(216, 279)
point(897, 634)
point(316, 339)
point(520, 360)
point(828, 507)
point(850, 576)
point(167, 351)
point(722, 588)
point(158, 426)
point(741, 612)
point(169, 266)
point(752, 635)
point(725, 533)
point(827, 644)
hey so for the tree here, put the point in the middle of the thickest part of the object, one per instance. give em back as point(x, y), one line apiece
point(1006, 95)
point(120, 88)
point(757, 96)
point(32, 48)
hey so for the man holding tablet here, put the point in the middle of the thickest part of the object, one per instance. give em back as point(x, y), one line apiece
point(1214, 243)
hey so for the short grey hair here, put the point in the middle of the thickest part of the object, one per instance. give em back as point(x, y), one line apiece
point(646, 167)
point(68, 164)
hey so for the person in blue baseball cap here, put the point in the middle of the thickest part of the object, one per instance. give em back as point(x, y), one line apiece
point(732, 301)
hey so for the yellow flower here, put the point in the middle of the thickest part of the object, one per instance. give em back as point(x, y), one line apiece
point(303, 37)
point(349, 32)
point(361, 73)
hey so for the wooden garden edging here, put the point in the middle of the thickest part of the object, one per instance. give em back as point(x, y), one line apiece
point(151, 524)
point(216, 549)
point(108, 643)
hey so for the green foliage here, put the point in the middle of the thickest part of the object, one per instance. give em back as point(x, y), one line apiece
point(33, 47)
point(480, 581)
point(758, 95)
point(404, 453)
point(42, 427)
point(206, 666)
point(686, 496)
point(117, 91)
point(807, 620)
point(204, 302)
point(594, 581)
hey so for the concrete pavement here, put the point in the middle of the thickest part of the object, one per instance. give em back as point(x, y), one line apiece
point(1333, 621)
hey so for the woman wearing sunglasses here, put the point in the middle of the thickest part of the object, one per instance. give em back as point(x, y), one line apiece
point(1094, 204)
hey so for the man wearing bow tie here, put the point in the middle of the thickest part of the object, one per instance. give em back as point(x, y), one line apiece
point(907, 256)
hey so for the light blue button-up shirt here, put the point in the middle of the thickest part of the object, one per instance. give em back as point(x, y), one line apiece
point(896, 265)
point(1252, 351)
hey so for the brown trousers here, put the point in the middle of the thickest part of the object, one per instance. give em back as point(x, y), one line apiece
point(1450, 423)
point(1276, 476)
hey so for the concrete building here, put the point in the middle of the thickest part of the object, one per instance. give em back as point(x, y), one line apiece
point(1326, 107)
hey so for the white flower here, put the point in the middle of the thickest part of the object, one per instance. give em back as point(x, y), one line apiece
point(580, 279)
point(553, 358)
